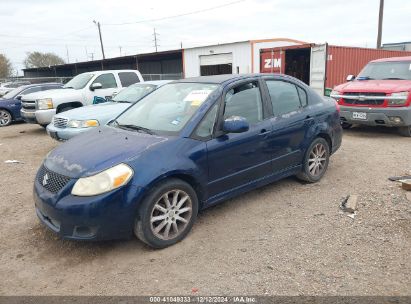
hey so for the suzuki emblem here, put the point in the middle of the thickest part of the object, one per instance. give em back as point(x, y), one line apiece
point(45, 179)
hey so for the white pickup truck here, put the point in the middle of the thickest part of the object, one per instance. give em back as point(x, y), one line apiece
point(84, 89)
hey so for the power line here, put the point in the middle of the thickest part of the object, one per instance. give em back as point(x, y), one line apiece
point(176, 16)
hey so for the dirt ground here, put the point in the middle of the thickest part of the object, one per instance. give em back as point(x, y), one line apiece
point(287, 238)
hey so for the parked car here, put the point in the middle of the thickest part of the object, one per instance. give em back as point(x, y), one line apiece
point(84, 89)
point(187, 146)
point(9, 86)
point(71, 123)
point(379, 96)
point(10, 104)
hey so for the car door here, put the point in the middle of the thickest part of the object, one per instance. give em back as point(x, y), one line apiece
point(237, 159)
point(109, 87)
point(291, 122)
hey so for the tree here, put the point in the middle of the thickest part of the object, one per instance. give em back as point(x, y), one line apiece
point(38, 59)
point(5, 66)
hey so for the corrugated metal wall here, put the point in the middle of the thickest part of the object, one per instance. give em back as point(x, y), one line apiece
point(241, 57)
point(343, 61)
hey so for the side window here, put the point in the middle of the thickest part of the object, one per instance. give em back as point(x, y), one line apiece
point(303, 96)
point(284, 96)
point(128, 78)
point(30, 90)
point(205, 127)
point(53, 87)
point(107, 81)
point(244, 100)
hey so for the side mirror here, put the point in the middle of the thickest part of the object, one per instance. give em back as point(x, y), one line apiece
point(96, 86)
point(18, 97)
point(350, 77)
point(235, 124)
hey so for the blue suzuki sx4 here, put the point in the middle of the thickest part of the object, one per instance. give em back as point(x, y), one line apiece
point(187, 146)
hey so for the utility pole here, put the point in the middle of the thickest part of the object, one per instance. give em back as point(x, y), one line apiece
point(101, 39)
point(155, 39)
point(380, 17)
point(67, 53)
point(120, 50)
point(181, 44)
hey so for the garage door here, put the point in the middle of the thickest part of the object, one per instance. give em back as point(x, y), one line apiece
point(216, 59)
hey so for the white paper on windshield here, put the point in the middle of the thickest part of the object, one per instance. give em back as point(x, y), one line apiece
point(197, 97)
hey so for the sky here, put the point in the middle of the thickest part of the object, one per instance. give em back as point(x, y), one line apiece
point(66, 27)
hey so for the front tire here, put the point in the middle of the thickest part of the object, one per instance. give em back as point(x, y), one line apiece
point(405, 131)
point(5, 118)
point(167, 214)
point(316, 161)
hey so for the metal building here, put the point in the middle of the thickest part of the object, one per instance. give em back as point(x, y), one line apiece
point(159, 65)
point(229, 58)
point(398, 46)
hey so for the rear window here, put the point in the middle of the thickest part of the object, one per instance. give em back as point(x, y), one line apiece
point(128, 78)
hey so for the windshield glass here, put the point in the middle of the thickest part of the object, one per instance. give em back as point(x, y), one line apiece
point(12, 93)
point(167, 109)
point(79, 81)
point(134, 92)
point(386, 70)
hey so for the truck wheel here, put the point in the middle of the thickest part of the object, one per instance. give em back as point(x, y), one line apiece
point(65, 109)
point(346, 125)
point(5, 118)
point(315, 161)
point(167, 214)
point(405, 131)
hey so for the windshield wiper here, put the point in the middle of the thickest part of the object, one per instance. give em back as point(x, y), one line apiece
point(121, 101)
point(364, 78)
point(393, 78)
point(68, 87)
point(136, 128)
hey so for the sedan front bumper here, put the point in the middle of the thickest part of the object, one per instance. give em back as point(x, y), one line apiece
point(64, 133)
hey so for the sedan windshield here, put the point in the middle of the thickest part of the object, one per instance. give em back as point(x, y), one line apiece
point(395, 70)
point(167, 109)
point(134, 92)
point(79, 81)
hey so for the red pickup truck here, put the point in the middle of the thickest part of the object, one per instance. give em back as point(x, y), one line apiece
point(379, 96)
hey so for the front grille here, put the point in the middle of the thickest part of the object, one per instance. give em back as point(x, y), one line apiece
point(373, 102)
point(60, 122)
point(53, 182)
point(28, 104)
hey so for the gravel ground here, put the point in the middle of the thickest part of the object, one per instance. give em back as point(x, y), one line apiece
point(287, 238)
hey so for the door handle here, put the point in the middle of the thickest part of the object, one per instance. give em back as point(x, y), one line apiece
point(264, 131)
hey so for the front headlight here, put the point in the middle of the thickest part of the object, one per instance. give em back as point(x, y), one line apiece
point(44, 104)
point(336, 95)
point(102, 182)
point(400, 99)
point(83, 123)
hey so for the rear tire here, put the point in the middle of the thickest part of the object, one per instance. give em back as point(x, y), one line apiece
point(316, 161)
point(5, 118)
point(167, 214)
point(405, 131)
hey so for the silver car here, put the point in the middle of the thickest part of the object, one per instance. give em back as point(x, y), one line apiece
point(68, 124)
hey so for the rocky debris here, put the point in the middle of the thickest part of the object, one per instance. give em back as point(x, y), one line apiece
point(406, 184)
point(349, 204)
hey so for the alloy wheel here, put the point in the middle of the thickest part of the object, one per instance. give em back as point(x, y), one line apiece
point(5, 118)
point(171, 214)
point(317, 159)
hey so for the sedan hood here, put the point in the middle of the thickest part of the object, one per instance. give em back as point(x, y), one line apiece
point(383, 86)
point(102, 112)
point(99, 149)
point(65, 94)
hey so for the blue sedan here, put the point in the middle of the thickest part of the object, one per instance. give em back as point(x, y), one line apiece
point(10, 103)
point(187, 146)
